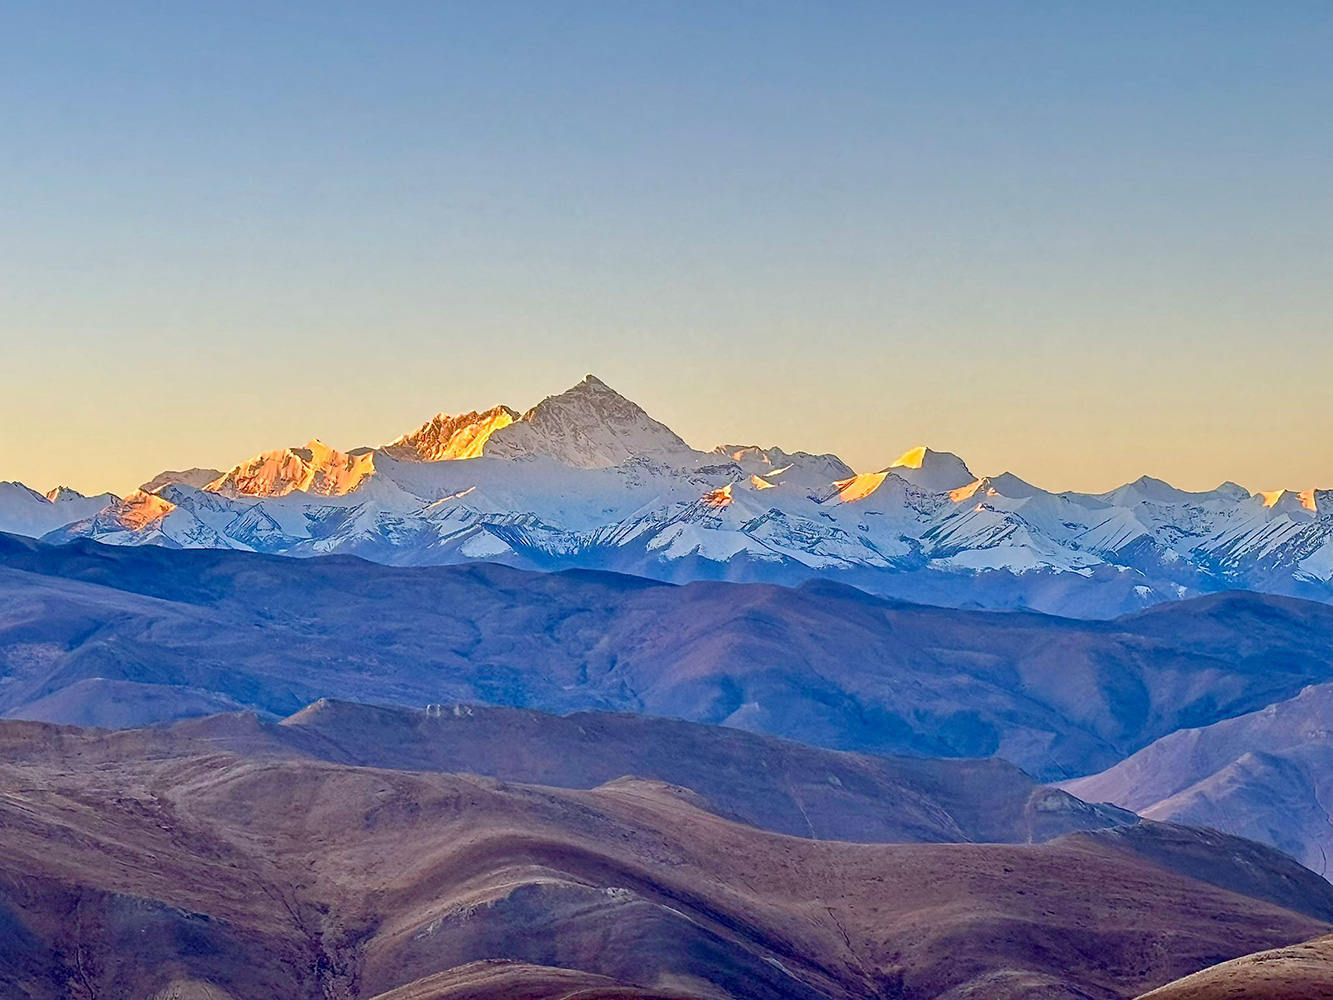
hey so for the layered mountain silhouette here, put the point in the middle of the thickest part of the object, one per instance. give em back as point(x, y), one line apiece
point(104, 635)
point(556, 705)
point(588, 479)
point(1267, 775)
point(231, 858)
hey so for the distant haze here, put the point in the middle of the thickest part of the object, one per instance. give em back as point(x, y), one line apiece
point(1080, 243)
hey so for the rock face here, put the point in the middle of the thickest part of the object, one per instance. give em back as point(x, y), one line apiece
point(316, 469)
point(451, 438)
point(147, 862)
point(587, 479)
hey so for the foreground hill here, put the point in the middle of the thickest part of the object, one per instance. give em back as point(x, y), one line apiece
point(154, 864)
point(113, 636)
point(1267, 775)
point(587, 479)
point(1300, 972)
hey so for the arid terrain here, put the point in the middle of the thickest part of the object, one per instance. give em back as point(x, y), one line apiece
point(156, 863)
point(1300, 972)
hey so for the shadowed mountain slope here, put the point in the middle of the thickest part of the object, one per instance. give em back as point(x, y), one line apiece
point(824, 664)
point(1267, 775)
point(769, 783)
point(140, 863)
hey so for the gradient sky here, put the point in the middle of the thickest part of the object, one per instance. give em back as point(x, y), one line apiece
point(1078, 241)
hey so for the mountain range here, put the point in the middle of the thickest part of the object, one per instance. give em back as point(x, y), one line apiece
point(1267, 775)
point(345, 854)
point(587, 479)
point(113, 636)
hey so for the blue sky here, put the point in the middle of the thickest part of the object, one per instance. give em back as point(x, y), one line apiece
point(1082, 242)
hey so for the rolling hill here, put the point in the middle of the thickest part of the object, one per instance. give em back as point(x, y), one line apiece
point(104, 635)
point(155, 864)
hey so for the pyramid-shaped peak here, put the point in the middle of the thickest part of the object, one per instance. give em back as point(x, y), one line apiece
point(936, 471)
point(588, 426)
point(913, 458)
point(590, 387)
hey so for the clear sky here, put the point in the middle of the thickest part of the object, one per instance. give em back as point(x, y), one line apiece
point(1078, 241)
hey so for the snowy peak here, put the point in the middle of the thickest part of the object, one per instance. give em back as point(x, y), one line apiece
point(194, 478)
point(1302, 503)
point(751, 457)
point(1146, 489)
point(1005, 485)
point(450, 438)
point(773, 466)
point(933, 471)
point(590, 426)
point(24, 511)
point(316, 468)
point(140, 509)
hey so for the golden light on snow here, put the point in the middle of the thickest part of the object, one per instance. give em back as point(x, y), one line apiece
point(316, 468)
point(760, 483)
point(1307, 499)
point(449, 438)
point(142, 509)
point(859, 486)
point(969, 491)
point(911, 459)
point(718, 498)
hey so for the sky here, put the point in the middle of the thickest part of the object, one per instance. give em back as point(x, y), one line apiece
point(1080, 242)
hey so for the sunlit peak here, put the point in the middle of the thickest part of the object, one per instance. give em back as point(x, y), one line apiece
point(972, 489)
point(913, 459)
point(1306, 499)
point(859, 486)
point(140, 509)
point(718, 498)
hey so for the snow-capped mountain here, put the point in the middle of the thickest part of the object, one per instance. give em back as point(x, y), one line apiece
point(586, 478)
point(316, 469)
point(590, 426)
point(24, 511)
point(444, 437)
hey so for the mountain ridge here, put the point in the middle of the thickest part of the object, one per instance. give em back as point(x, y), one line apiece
point(95, 633)
point(586, 478)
